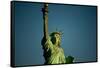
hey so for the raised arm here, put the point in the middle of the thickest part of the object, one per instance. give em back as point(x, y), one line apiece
point(45, 20)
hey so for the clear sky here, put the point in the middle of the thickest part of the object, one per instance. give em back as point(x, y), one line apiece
point(78, 24)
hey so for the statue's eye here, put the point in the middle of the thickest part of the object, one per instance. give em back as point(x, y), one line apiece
point(56, 35)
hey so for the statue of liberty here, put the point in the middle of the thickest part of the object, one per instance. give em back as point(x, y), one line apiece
point(53, 53)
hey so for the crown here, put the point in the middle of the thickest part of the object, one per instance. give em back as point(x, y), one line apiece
point(60, 33)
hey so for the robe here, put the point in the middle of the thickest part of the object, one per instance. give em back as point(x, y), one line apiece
point(52, 53)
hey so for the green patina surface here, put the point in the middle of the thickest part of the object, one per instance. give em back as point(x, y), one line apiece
point(54, 54)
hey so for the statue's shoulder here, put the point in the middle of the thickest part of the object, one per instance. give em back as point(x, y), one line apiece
point(48, 40)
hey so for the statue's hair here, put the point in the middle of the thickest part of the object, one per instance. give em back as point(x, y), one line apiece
point(53, 33)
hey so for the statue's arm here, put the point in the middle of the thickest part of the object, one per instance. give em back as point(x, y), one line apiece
point(45, 21)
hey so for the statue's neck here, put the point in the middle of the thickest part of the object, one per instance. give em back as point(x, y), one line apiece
point(57, 44)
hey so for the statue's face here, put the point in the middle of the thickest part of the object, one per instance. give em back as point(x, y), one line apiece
point(57, 36)
point(58, 39)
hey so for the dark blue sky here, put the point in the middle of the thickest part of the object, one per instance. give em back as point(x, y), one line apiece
point(78, 24)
